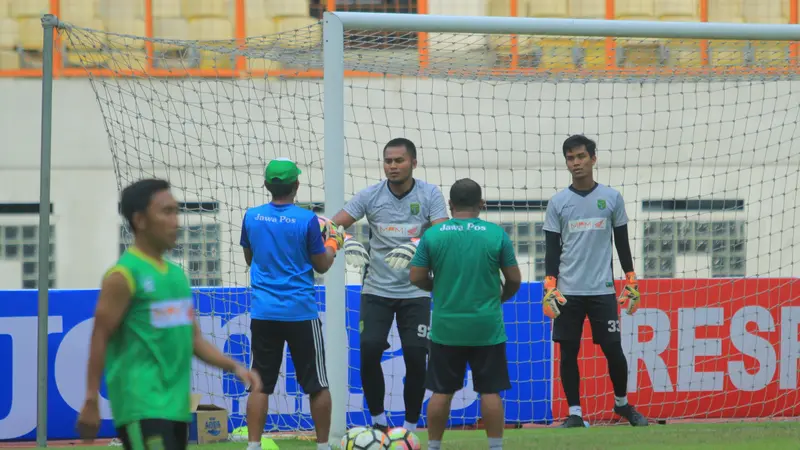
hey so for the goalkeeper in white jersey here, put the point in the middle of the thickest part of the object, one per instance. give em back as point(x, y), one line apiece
point(398, 210)
point(580, 224)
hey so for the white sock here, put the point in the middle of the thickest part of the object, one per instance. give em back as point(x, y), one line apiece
point(621, 401)
point(412, 427)
point(575, 411)
point(495, 443)
point(254, 445)
point(434, 445)
point(380, 419)
point(324, 446)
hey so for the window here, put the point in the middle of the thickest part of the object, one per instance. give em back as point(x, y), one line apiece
point(197, 251)
point(21, 243)
point(528, 239)
point(724, 240)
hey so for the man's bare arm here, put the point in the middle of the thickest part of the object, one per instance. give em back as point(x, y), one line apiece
point(513, 279)
point(418, 276)
point(443, 219)
point(113, 302)
point(343, 219)
point(248, 256)
point(322, 262)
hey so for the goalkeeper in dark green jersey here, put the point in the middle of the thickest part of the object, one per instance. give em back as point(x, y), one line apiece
point(145, 333)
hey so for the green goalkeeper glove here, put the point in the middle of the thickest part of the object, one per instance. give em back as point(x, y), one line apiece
point(401, 257)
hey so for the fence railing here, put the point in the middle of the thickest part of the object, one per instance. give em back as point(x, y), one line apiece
point(513, 58)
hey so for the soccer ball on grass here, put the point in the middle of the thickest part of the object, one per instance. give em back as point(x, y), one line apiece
point(361, 438)
point(403, 439)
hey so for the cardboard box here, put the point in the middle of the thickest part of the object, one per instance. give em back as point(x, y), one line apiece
point(209, 423)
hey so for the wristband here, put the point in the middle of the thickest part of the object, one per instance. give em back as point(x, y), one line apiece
point(332, 244)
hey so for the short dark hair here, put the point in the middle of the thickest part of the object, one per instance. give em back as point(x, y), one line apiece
point(280, 190)
point(137, 197)
point(579, 140)
point(465, 194)
point(397, 142)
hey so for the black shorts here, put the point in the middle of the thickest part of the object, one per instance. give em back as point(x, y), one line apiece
point(305, 345)
point(447, 366)
point(378, 313)
point(603, 312)
point(154, 434)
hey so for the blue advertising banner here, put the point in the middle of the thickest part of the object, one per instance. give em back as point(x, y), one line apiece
point(222, 313)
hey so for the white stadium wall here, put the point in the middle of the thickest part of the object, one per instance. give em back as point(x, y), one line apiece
point(731, 140)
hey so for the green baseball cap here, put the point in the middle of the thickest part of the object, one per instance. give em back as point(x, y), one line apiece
point(281, 171)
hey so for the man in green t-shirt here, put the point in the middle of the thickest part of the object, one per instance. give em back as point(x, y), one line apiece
point(465, 256)
point(145, 333)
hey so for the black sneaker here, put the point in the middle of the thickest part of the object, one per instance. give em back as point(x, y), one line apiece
point(632, 415)
point(573, 421)
point(383, 428)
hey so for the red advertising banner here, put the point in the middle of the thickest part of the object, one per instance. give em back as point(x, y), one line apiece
point(700, 349)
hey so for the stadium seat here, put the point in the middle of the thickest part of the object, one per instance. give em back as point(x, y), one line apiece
point(30, 33)
point(587, 9)
point(502, 8)
point(284, 8)
point(9, 60)
point(21, 9)
point(593, 51)
point(202, 9)
point(9, 32)
point(683, 53)
point(123, 9)
point(306, 33)
point(210, 29)
point(87, 59)
point(770, 54)
point(167, 9)
point(677, 10)
point(635, 9)
point(77, 12)
point(169, 28)
point(134, 27)
point(547, 8)
point(728, 53)
point(765, 11)
point(725, 11)
point(260, 27)
point(555, 53)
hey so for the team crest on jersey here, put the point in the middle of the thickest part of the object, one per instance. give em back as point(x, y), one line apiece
point(601, 204)
point(149, 285)
point(414, 208)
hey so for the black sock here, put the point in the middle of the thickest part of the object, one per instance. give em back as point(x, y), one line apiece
point(372, 377)
point(570, 375)
point(414, 389)
point(617, 367)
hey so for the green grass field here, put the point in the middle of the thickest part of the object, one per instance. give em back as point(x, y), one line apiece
point(729, 436)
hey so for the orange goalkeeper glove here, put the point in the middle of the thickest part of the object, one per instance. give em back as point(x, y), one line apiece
point(630, 293)
point(552, 298)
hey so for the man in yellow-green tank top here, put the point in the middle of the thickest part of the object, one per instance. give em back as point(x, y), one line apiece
point(145, 333)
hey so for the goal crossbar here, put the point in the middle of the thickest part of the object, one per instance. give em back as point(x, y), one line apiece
point(335, 24)
point(563, 27)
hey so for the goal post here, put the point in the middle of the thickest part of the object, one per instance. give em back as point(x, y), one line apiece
point(338, 24)
point(696, 136)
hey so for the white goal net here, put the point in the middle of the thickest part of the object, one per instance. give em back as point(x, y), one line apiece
point(699, 137)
